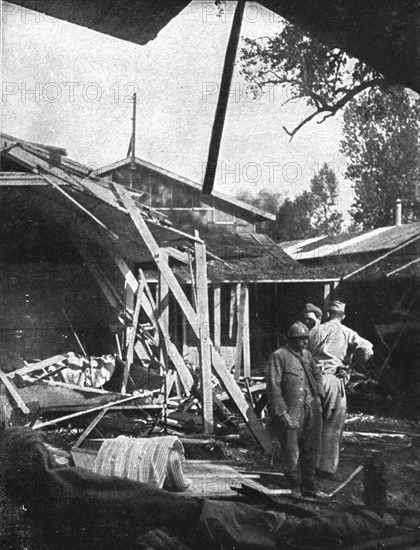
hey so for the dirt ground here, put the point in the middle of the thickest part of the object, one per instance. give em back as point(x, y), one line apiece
point(395, 442)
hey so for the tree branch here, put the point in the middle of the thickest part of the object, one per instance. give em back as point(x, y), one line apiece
point(331, 109)
point(305, 121)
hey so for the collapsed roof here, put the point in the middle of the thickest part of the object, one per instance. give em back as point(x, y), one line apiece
point(91, 212)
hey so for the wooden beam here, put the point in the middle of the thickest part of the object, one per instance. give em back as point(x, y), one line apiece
point(217, 317)
point(33, 367)
point(204, 330)
point(238, 397)
point(107, 289)
point(87, 212)
point(403, 267)
point(14, 394)
point(172, 351)
point(83, 389)
point(223, 100)
point(94, 409)
point(90, 428)
point(131, 338)
point(239, 328)
point(232, 308)
point(155, 251)
point(246, 344)
point(163, 312)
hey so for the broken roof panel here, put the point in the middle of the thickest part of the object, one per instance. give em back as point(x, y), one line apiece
point(87, 205)
point(92, 212)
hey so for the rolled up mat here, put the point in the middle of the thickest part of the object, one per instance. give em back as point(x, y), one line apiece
point(156, 461)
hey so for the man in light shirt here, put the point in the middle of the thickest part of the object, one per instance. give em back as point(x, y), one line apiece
point(333, 345)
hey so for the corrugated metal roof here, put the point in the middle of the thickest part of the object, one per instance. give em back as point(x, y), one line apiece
point(375, 240)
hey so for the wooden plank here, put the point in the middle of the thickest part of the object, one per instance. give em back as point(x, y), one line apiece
point(69, 386)
point(33, 367)
point(238, 397)
point(240, 310)
point(10, 386)
point(172, 351)
point(217, 317)
point(131, 338)
point(177, 254)
point(89, 429)
point(163, 309)
point(204, 330)
point(107, 289)
point(87, 212)
point(155, 251)
point(246, 344)
point(88, 411)
point(222, 102)
point(232, 308)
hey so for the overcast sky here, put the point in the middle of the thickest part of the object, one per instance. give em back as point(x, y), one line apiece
point(81, 80)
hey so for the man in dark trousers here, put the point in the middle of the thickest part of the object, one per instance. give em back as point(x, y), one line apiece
point(294, 389)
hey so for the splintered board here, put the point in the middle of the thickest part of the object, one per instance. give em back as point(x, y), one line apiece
point(213, 480)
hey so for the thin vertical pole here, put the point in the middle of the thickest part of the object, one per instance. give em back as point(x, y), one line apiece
point(204, 336)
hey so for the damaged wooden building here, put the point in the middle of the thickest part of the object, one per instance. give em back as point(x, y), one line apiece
point(71, 255)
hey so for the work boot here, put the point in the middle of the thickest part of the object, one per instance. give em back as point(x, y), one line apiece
point(308, 489)
point(321, 474)
point(292, 482)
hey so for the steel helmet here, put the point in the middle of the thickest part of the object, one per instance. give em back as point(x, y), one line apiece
point(298, 330)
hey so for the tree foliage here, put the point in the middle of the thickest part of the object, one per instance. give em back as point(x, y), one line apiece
point(382, 145)
point(264, 199)
point(310, 214)
point(327, 79)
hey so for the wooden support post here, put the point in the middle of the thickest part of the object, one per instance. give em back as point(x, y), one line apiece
point(217, 317)
point(233, 303)
point(246, 345)
point(204, 336)
point(240, 300)
point(131, 338)
point(163, 300)
point(151, 311)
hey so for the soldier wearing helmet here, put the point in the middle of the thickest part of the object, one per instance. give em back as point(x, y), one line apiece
point(294, 388)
